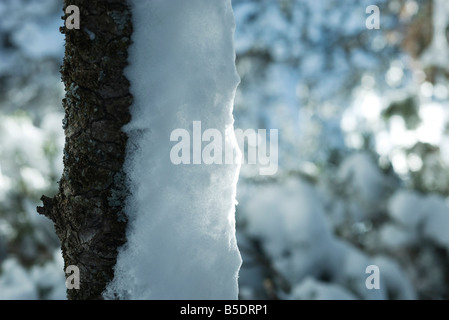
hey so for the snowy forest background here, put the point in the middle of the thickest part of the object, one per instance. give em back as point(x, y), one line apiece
point(363, 124)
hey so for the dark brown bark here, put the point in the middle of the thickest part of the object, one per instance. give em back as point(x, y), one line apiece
point(87, 211)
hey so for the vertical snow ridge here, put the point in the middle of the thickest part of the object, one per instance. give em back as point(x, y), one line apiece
point(181, 230)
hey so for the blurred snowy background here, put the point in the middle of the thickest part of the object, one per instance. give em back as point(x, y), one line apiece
point(363, 120)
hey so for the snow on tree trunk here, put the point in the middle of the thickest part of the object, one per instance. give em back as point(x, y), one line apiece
point(181, 231)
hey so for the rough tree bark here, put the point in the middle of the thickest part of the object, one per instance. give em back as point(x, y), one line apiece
point(87, 211)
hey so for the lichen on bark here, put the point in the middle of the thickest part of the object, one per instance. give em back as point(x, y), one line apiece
point(87, 210)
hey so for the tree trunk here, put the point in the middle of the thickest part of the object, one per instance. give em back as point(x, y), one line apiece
point(87, 211)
